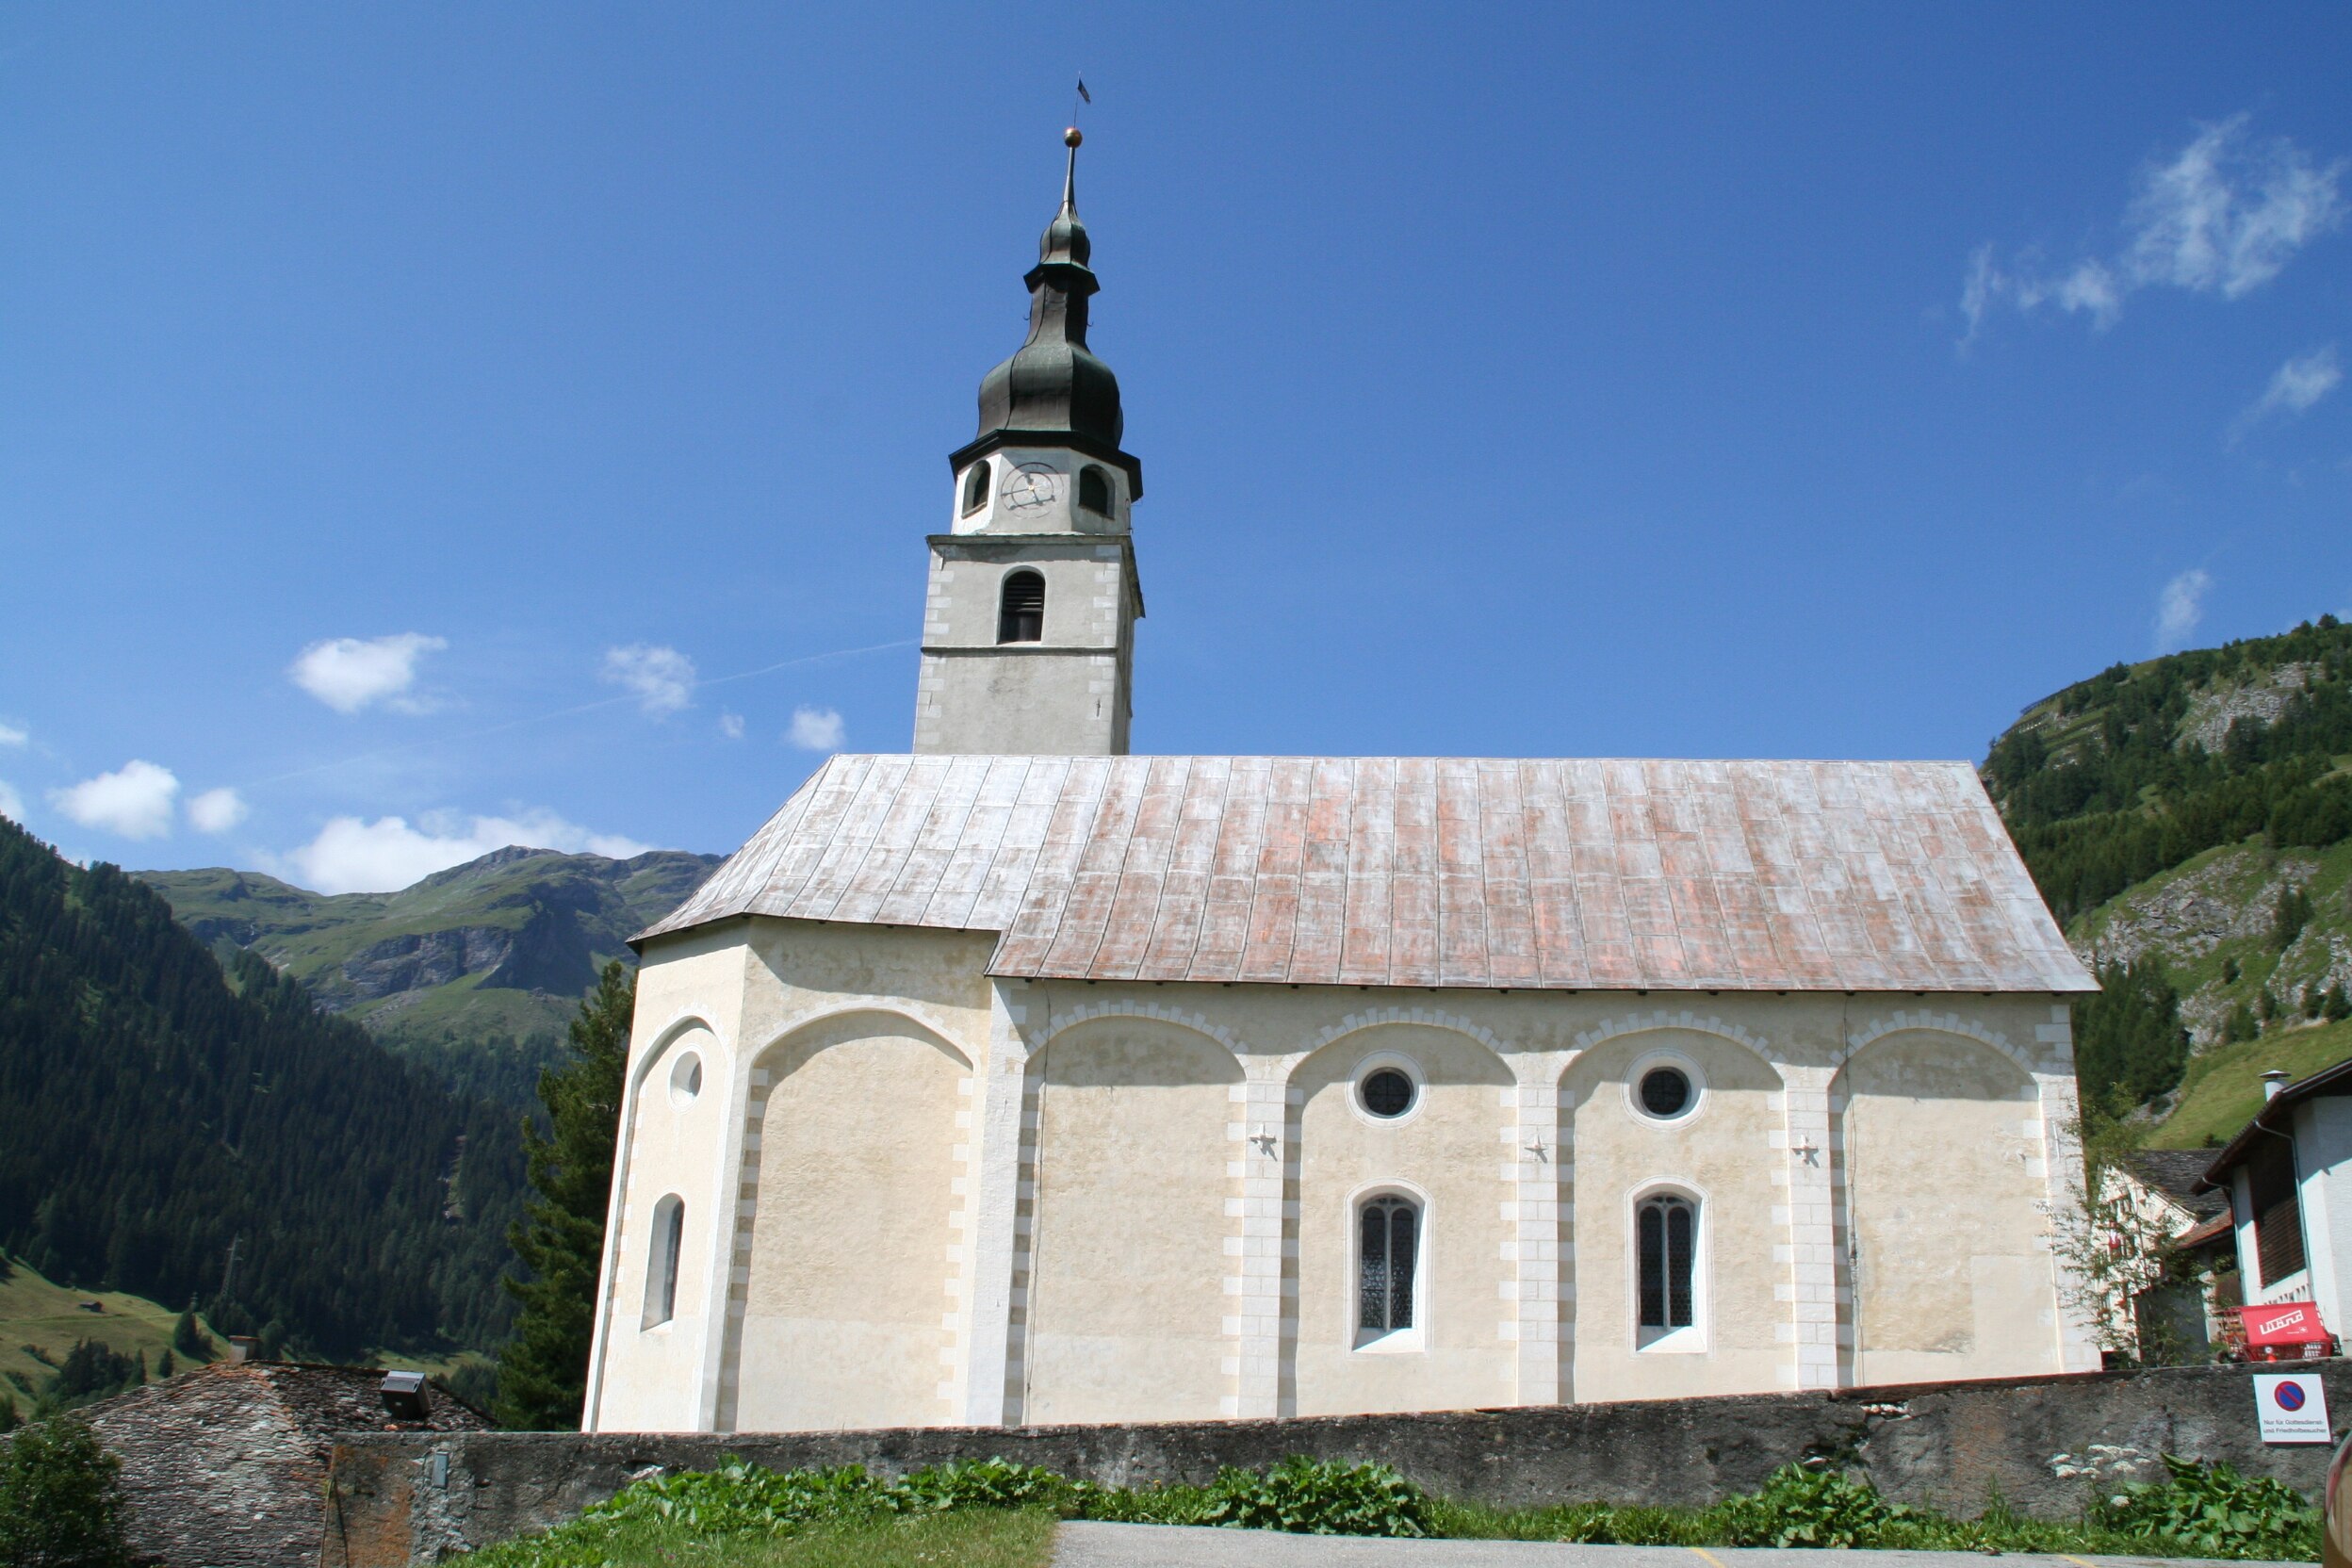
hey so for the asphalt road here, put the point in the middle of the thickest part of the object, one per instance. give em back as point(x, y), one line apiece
point(1096, 1546)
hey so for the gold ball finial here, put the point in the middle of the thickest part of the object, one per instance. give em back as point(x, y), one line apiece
point(1071, 137)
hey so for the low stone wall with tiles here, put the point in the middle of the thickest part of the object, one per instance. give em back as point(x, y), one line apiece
point(398, 1499)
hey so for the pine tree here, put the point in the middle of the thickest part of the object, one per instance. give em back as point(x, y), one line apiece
point(165, 1367)
point(187, 1338)
point(543, 1371)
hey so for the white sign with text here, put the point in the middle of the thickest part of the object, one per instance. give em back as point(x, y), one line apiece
point(2293, 1408)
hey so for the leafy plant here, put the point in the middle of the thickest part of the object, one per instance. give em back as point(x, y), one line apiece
point(1312, 1496)
point(1801, 1506)
point(60, 1506)
point(2212, 1510)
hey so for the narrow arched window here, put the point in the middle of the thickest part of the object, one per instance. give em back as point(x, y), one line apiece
point(1388, 1244)
point(669, 1238)
point(976, 488)
point(1021, 619)
point(1094, 491)
point(1666, 1229)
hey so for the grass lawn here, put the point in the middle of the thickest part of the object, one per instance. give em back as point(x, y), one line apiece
point(2225, 1084)
point(967, 1538)
point(49, 1318)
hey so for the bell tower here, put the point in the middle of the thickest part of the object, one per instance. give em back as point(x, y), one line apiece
point(1028, 625)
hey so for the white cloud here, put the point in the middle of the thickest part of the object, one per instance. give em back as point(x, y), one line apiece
point(350, 856)
point(216, 810)
point(662, 678)
point(2300, 382)
point(732, 725)
point(11, 804)
point(2224, 215)
point(134, 801)
point(348, 675)
point(816, 730)
point(13, 735)
point(2181, 607)
point(2227, 214)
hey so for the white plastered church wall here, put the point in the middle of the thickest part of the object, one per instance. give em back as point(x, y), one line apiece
point(1108, 1240)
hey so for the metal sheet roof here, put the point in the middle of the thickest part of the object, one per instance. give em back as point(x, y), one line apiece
point(1570, 874)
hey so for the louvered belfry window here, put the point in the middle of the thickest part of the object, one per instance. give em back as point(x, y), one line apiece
point(1387, 1245)
point(1022, 618)
point(1665, 1229)
point(2277, 1213)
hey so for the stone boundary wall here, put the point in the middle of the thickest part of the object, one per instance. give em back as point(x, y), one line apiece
point(412, 1498)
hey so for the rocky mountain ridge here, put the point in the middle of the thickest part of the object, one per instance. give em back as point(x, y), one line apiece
point(2190, 820)
point(502, 946)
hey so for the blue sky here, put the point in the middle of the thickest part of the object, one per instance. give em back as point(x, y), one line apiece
point(421, 422)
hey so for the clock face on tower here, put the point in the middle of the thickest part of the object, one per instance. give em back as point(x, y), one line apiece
point(1030, 488)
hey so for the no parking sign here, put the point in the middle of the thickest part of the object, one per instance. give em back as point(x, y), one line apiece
point(2293, 1408)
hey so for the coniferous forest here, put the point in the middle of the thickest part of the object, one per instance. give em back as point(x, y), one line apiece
point(156, 1111)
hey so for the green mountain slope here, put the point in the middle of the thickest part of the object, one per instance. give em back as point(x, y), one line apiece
point(2190, 821)
point(155, 1112)
point(474, 971)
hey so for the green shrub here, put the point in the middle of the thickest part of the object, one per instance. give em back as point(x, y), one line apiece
point(59, 1503)
point(1311, 1497)
point(2212, 1510)
point(1799, 1507)
point(2199, 1511)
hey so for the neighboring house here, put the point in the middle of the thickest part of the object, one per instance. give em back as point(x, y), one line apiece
point(2288, 1175)
point(1020, 1080)
point(2159, 1194)
point(223, 1467)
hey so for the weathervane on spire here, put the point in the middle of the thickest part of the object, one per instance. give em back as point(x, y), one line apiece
point(1071, 139)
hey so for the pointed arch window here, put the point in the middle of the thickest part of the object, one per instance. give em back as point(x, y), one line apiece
point(1666, 1231)
point(669, 1239)
point(1020, 617)
point(1388, 1250)
point(976, 487)
point(1094, 491)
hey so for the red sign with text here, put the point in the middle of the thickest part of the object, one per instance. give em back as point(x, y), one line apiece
point(2282, 1323)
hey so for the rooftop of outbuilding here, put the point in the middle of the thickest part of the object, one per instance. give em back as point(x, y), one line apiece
point(1549, 873)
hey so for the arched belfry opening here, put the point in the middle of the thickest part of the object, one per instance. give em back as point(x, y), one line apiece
point(1020, 613)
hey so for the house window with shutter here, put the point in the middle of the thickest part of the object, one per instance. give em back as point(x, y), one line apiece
point(1022, 616)
point(2278, 1212)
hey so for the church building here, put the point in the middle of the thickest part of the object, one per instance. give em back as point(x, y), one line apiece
point(1020, 1080)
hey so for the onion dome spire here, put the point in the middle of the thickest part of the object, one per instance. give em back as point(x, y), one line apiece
point(1053, 391)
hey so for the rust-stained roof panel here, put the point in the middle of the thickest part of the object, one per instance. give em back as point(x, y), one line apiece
point(1570, 874)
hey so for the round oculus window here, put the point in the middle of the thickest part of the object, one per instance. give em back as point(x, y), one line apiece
point(1387, 1093)
point(1665, 1091)
point(686, 1079)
